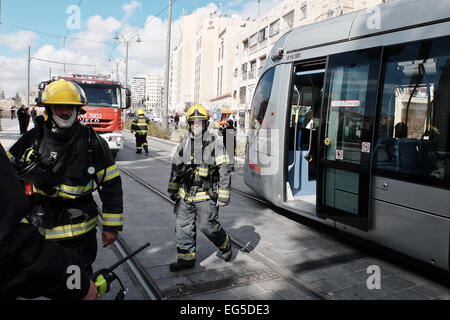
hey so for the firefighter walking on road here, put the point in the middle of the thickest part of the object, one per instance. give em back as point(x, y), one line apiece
point(200, 183)
point(140, 129)
point(66, 162)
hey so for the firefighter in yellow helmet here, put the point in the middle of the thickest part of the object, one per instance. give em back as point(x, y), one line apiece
point(140, 129)
point(200, 183)
point(66, 162)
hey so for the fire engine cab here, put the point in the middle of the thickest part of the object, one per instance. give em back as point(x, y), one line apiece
point(106, 99)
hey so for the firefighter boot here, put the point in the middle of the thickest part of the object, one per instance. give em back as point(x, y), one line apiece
point(181, 265)
point(228, 252)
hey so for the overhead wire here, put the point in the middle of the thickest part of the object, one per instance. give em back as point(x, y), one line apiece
point(152, 18)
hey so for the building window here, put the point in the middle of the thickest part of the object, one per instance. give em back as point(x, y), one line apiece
point(274, 28)
point(244, 71)
point(218, 82)
point(289, 20)
point(262, 34)
point(242, 94)
point(221, 81)
point(262, 62)
point(303, 11)
point(252, 72)
point(253, 41)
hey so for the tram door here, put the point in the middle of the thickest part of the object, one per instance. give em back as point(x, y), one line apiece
point(346, 140)
point(304, 115)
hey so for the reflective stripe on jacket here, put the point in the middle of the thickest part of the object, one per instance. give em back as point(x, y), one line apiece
point(211, 176)
point(140, 125)
point(76, 185)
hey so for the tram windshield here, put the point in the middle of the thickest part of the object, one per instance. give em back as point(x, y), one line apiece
point(413, 126)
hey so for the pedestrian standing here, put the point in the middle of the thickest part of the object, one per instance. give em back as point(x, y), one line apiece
point(33, 114)
point(22, 117)
point(176, 119)
point(1, 115)
point(27, 118)
point(13, 112)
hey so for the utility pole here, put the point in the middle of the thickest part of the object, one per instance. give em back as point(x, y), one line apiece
point(28, 80)
point(126, 66)
point(166, 90)
point(50, 78)
point(117, 71)
point(64, 55)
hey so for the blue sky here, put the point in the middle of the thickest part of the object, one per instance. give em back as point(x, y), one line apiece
point(43, 25)
point(50, 16)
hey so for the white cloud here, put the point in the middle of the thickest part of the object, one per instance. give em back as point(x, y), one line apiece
point(149, 56)
point(129, 8)
point(249, 9)
point(13, 77)
point(18, 40)
point(207, 10)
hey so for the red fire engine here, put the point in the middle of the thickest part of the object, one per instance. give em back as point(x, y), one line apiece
point(106, 99)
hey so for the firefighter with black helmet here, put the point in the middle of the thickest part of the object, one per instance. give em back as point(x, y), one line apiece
point(66, 162)
point(200, 183)
point(140, 129)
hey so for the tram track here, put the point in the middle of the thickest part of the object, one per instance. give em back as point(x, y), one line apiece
point(289, 273)
point(233, 189)
point(252, 252)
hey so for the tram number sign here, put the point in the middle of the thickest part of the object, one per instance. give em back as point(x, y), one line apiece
point(345, 103)
point(339, 154)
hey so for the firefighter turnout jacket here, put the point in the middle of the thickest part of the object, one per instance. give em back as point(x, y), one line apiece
point(69, 167)
point(201, 169)
point(139, 125)
point(30, 266)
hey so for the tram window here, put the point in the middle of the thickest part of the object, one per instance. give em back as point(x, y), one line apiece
point(261, 99)
point(350, 101)
point(412, 135)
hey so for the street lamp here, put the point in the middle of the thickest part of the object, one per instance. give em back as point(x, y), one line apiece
point(127, 42)
point(116, 61)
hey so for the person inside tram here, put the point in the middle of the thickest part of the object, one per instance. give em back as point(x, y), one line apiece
point(401, 130)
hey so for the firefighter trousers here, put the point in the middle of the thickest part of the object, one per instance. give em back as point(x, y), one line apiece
point(205, 214)
point(141, 141)
point(85, 246)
